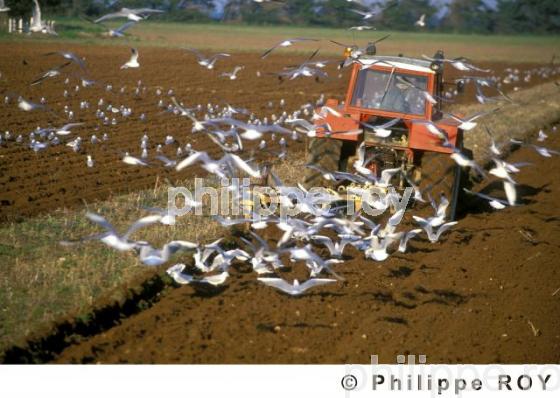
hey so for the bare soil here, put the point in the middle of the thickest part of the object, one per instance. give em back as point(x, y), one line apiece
point(33, 183)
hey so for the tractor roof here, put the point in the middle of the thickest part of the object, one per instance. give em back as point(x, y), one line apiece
point(419, 65)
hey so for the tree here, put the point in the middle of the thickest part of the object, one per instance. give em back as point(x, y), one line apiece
point(336, 13)
point(248, 11)
point(24, 8)
point(469, 16)
point(528, 16)
point(404, 15)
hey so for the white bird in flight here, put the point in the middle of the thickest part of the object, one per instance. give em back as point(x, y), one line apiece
point(433, 236)
point(421, 22)
point(3, 7)
point(495, 203)
point(232, 75)
point(207, 62)
point(133, 61)
point(296, 288)
point(133, 14)
point(111, 237)
point(284, 44)
point(176, 272)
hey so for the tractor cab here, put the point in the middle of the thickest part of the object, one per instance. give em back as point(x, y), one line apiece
point(384, 88)
point(392, 87)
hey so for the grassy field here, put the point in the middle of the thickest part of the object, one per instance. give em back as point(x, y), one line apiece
point(257, 38)
point(42, 281)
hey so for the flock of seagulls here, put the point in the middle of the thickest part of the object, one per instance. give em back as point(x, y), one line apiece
point(318, 237)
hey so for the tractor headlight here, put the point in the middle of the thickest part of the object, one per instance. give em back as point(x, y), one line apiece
point(435, 66)
point(347, 52)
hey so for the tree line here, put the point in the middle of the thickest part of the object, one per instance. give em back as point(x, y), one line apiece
point(461, 16)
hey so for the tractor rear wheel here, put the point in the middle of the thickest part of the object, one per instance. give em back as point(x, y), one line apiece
point(327, 154)
point(439, 174)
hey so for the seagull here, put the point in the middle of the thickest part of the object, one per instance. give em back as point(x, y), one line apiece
point(335, 249)
point(493, 147)
point(382, 130)
point(65, 130)
point(366, 14)
point(38, 146)
point(377, 249)
point(176, 272)
point(203, 254)
point(133, 62)
point(75, 144)
point(263, 256)
point(354, 52)
point(3, 7)
point(50, 73)
point(302, 70)
point(312, 259)
point(417, 192)
point(70, 56)
point(197, 124)
point(156, 257)
point(215, 167)
point(484, 99)
point(433, 129)
point(463, 161)
point(458, 63)
point(119, 32)
point(111, 238)
point(167, 216)
point(38, 24)
point(406, 237)
point(307, 128)
point(136, 15)
point(426, 226)
point(361, 28)
point(232, 75)
point(542, 136)
point(547, 153)
point(133, 161)
point(209, 164)
point(503, 170)
point(168, 163)
point(405, 82)
point(223, 260)
point(327, 175)
point(511, 192)
point(497, 204)
point(207, 62)
point(27, 106)
point(469, 123)
point(89, 161)
point(296, 288)
point(440, 210)
point(421, 21)
point(285, 43)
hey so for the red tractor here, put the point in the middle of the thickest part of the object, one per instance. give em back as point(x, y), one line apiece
point(381, 89)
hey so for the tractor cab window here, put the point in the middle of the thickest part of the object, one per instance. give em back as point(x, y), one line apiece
point(390, 91)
